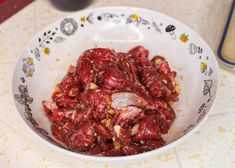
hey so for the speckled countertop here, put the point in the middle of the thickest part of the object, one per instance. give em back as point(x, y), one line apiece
point(212, 146)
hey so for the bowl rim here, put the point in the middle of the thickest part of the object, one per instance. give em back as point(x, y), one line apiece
point(117, 158)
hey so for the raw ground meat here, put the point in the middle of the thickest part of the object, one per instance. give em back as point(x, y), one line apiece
point(113, 103)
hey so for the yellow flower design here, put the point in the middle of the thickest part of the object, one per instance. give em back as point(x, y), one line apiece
point(28, 66)
point(134, 17)
point(203, 67)
point(83, 19)
point(46, 51)
point(184, 38)
point(30, 74)
point(30, 60)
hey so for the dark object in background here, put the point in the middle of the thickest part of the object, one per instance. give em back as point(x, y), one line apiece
point(10, 7)
point(226, 51)
point(70, 5)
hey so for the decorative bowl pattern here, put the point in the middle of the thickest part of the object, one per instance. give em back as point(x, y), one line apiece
point(44, 62)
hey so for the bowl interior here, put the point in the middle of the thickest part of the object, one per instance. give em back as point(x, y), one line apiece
point(45, 61)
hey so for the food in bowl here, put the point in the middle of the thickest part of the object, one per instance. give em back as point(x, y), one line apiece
point(114, 103)
point(43, 63)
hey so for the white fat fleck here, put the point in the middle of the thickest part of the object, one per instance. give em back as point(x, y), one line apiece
point(135, 129)
point(93, 86)
point(124, 99)
point(117, 129)
point(164, 81)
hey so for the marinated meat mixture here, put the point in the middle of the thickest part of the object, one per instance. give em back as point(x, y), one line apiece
point(114, 103)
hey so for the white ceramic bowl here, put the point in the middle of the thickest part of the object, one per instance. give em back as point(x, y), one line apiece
point(46, 58)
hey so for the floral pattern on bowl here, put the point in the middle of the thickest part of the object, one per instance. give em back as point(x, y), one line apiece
point(44, 61)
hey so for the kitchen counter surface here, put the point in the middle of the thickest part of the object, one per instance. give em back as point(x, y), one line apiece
point(213, 145)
